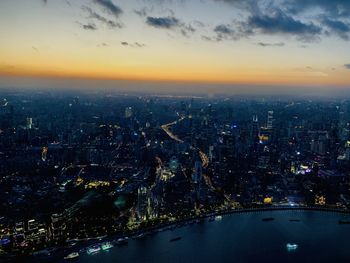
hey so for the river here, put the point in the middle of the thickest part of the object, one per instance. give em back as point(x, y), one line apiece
point(241, 238)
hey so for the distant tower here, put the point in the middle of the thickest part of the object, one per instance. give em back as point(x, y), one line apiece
point(269, 120)
point(147, 203)
point(344, 125)
point(255, 129)
point(29, 123)
point(142, 202)
point(197, 176)
point(347, 151)
point(128, 112)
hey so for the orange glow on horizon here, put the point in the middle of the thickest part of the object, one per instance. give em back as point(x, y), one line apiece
point(243, 77)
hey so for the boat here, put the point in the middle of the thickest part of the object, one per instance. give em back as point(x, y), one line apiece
point(93, 249)
point(139, 236)
point(294, 220)
point(72, 256)
point(122, 241)
point(344, 221)
point(106, 245)
point(72, 244)
point(218, 218)
point(211, 219)
point(175, 239)
point(267, 219)
point(291, 246)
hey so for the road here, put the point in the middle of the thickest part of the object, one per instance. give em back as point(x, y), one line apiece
point(202, 155)
point(166, 128)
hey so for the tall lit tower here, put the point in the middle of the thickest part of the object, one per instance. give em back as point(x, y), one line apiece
point(147, 203)
point(29, 123)
point(255, 129)
point(142, 202)
point(269, 120)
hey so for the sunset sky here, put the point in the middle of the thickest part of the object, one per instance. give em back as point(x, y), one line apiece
point(280, 42)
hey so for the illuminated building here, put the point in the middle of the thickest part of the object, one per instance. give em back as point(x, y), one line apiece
point(347, 151)
point(146, 204)
point(320, 200)
point(29, 123)
point(173, 164)
point(254, 134)
point(44, 154)
point(319, 142)
point(58, 226)
point(128, 112)
point(32, 226)
point(268, 200)
point(269, 125)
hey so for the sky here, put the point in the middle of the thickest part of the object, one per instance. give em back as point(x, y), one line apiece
point(238, 43)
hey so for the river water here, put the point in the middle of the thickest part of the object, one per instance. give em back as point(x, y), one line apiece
point(241, 238)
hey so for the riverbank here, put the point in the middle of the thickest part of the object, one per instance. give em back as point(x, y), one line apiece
point(81, 245)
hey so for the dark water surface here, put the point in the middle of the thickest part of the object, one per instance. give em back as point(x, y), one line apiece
point(241, 238)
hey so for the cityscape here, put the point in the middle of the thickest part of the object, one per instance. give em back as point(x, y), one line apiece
point(174, 131)
point(98, 165)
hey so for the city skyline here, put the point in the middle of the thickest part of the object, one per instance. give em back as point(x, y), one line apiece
point(279, 45)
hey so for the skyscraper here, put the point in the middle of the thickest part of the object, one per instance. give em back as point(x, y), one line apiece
point(254, 134)
point(197, 175)
point(269, 120)
point(147, 203)
point(29, 123)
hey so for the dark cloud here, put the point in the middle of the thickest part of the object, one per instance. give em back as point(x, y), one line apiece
point(186, 30)
point(347, 66)
point(89, 26)
point(224, 29)
point(207, 38)
point(335, 8)
point(135, 44)
point(171, 22)
point(331, 7)
point(94, 15)
point(279, 22)
point(300, 18)
point(234, 31)
point(263, 44)
point(337, 27)
point(224, 32)
point(163, 22)
point(109, 7)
